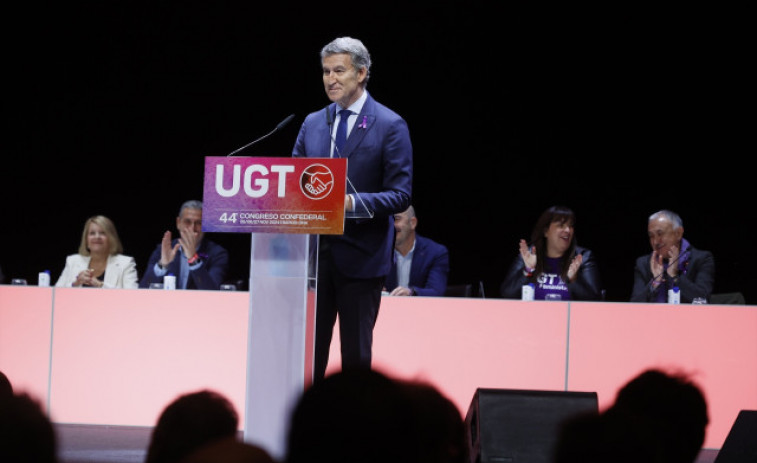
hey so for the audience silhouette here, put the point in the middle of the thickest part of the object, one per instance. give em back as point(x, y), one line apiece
point(364, 416)
point(26, 432)
point(657, 416)
point(6, 389)
point(190, 422)
point(613, 436)
point(439, 428)
point(675, 409)
point(229, 450)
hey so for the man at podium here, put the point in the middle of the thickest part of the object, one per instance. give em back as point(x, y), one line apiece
point(376, 143)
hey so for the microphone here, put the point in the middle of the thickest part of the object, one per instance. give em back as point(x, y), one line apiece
point(278, 127)
point(283, 123)
point(328, 117)
point(330, 123)
point(337, 154)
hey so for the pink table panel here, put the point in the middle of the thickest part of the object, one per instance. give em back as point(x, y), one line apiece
point(717, 345)
point(25, 323)
point(461, 344)
point(120, 356)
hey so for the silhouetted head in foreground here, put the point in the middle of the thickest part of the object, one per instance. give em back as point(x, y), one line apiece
point(657, 417)
point(189, 422)
point(6, 389)
point(229, 450)
point(26, 432)
point(673, 406)
point(364, 416)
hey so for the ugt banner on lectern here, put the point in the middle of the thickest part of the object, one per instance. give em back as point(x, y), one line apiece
point(274, 195)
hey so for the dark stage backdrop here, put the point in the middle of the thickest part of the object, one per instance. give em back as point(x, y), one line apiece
point(111, 108)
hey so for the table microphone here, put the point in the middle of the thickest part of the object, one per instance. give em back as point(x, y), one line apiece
point(664, 273)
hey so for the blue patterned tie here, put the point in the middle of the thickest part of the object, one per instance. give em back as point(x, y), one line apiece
point(341, 131)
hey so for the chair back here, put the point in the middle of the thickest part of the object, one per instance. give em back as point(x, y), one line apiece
point(727, 298)
point(463, 290)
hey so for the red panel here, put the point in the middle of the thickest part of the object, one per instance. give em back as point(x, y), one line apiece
point(120, 356)
point(717, 345)
point(25, 322)
point(461, 344)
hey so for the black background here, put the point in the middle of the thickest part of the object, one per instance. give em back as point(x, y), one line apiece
point(616, 112)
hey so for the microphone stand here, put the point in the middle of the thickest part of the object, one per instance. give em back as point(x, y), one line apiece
point(277, 128)
point(663, 274)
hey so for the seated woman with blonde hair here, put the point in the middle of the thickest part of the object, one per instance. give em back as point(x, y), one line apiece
point(99, 262)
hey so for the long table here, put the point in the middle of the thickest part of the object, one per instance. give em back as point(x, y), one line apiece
point(118, 357)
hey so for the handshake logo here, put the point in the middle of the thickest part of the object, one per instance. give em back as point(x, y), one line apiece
point(317, 181)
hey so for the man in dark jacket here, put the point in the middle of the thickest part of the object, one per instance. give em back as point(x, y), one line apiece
point(673, 263)
point(421, 265)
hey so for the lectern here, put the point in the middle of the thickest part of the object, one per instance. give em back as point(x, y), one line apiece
point(284, 203)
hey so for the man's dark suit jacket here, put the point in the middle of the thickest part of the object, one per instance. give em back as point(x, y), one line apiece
point(379, 166)
point(210, 275)
point(428, 270)
point(698, 280)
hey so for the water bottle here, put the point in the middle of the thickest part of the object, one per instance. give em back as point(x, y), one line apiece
point(169, 281)
point(527, 292)
point(674, 296)
point(44, 278)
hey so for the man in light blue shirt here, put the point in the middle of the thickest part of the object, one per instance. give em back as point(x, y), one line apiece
point(421, 265)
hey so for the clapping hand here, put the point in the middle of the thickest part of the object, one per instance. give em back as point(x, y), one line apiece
point(167, 252)
point(528, 254)
point(673, 254)
point(188, 241)
point(656, 264)
point(575, 264)
point(86, 278)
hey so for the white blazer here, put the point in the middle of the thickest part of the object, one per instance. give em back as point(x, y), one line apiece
point(121, 271)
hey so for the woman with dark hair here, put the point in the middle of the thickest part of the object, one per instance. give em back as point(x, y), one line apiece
point(558, 268)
